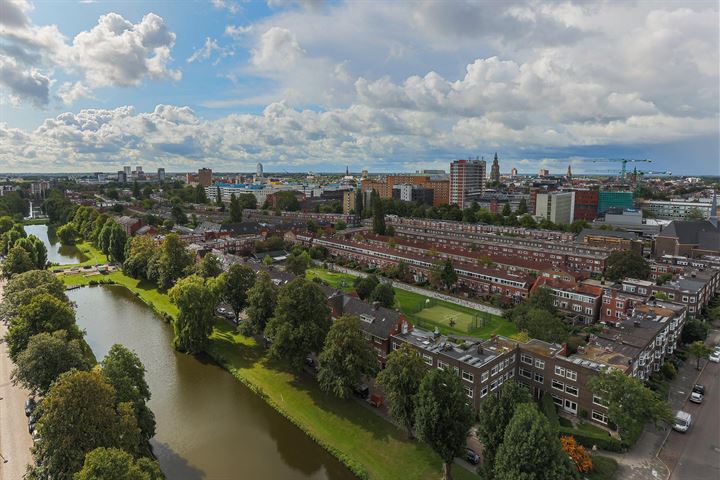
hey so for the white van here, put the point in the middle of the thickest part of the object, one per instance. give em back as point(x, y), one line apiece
point(682, 421)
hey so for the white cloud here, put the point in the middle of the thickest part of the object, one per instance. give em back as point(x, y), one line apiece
point(27, 84)
point(278, 49)
point(209, 48)
point(69, 92)
point(228, 5)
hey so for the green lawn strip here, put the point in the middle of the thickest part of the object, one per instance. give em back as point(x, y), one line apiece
point(604, 468)
point(360, 438)
point(35, 221)
point(343, 281)
point(92, 255)
point(357, 436)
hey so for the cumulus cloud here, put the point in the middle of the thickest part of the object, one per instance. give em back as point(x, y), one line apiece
point(69, 92)
point(24, 84)
point(209, 48)
point(277, 49)
point(228, 5)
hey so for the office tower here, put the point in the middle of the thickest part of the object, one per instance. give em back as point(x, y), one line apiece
point(558, 207)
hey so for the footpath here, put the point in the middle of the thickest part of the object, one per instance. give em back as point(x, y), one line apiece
point(15, 441)
point(642, 461)
point(422, 291)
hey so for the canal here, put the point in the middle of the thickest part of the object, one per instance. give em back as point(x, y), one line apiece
point(209, 425)
point(57, 253)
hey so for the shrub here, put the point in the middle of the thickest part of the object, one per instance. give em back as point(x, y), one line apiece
point(577, 453)
point(669, 370)
point(604, 468)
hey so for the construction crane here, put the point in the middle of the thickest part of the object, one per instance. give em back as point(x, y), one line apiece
point(624, 161)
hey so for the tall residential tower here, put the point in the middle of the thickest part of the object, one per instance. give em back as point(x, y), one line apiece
point(466, 177)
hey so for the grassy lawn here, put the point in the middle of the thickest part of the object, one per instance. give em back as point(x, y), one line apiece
point(345, 428)
point(604, 468)
point(92, 255)
point(437, 314)
point(351, 430)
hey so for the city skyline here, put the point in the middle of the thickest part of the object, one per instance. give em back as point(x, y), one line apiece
point(228, 84)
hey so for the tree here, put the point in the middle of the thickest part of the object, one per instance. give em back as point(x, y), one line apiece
point(67, 234)
point(527, 221)
point(545, 326)
point(300, 324)
point(359, 202)
point(694, 330)
point(297, 263)
point(442, 274)
point(235, 209)
point(200, 196)
point(178, 215)
point(346, 357)
point(173, 261)
point(531, 449)
point(43, 313)
point(46, 357)
point(495, 415)
point(261, 302)
point(400, 380)
point(442, 418)
point(234, 286)
point(193, 325)
point(378, 224)
point(364, 286)
point(23, 288)
point(40, 252)
point(695, 214)
point(89, 400)
point(17, 261)
point(522, 207)
point(136, 190)
point(209, 266)
point(287, 201)
point(126, 373)
point(506, 210)
point(700, 351)
point(630, 403)
point(627, 263)
point(116, 464)
point(116, 243)
point(577, 453)
point(139, 251)
point(384, 294)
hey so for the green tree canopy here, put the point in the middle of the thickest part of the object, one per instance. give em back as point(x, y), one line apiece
point(442, 416)
point(378, 211)
point(261, 302)
point(630, 403)
point(384, 294)
point(627, 263)
point(209, 266)
point(442, 274)
point(400, 381)
point(345, 358)
point(46, 357)
point(235, 209)
point(22, 288)
point(116, 464)
point(700, 351)
point(300, 324)
point(193, 325)
point(172, 262)
point(298, 263)
point(364, 286)
point(17, 261)
point(531, 449)
point(68, 234)
point(694, 330)
point(235, 285)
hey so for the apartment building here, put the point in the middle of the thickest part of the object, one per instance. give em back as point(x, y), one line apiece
point(466, 177)
point(329, 218)
point(349, 202)
point(428, 225)
point(439, 184)
point(558, 207)
point(576, 299)
point(611, 239)
point(680, 209)
point(586, 204)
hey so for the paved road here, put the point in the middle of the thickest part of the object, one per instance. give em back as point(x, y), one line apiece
point(696, 454)
point(15, 441)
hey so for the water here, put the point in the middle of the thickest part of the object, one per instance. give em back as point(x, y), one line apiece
point(209, 426)
point(57, 253)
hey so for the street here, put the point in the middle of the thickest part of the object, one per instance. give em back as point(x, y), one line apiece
point(15, 441)
point(696, 454)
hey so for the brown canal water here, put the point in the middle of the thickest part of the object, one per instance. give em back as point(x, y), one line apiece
point(57, 253)
point(209, 425)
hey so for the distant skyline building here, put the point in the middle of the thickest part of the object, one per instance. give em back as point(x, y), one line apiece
point(161, 174)
point(558, 207)
point(544, 172)
point(466, 177)
point(495, 170)
point(259, 171)
point(569, 172)
point(204, 177)
point(513, 172)
point(122, 175)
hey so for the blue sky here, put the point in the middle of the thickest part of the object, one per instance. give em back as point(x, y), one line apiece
point(314, 86)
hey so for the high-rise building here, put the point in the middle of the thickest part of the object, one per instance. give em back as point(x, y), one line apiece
point(466, 177)
point(623, 200)
point(349, 201)
point(495, 170)
point(128, 171)
point(121, 176)
point(161, 174)
point(513, 172)
point(204, 177)
point(558, 207)
point(259, 172)
point(586, 205)
point(544, 172)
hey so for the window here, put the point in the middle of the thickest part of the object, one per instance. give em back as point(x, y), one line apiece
point(526, 359)
point(539, 364)
point(511, 373)
point(493, 385)
point(469, 392)
point(539, 378)
point(571, 375)
point(484, 377)
point(483, 392)
point(685, 298)
point(588, 311)
point(525, 373)
point(609, 312)
point(442, 365)
point(468, 376)
point(558, 385)
point(599, 401)
point(395, 345)
point(494, 370)
point(427, 359)
point(571, 390)
point(557, 401)
point(599, 417)
point(570, 406)
point(559, 371)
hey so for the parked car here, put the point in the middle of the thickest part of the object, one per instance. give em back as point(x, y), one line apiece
point(715, 357)
point(699, 388)
point(31, 424)
point(683, 420)
point(29, 406)
point(472, 456)
point(362, 391)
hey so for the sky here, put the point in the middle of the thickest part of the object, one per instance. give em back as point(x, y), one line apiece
point(312, 85)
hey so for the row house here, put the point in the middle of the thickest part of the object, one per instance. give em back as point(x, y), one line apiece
point(636, 347)
point(694, 289)
point(429, 224)
point(569, 255)
point(330, 218)
point(578, 300)
point(473, 278)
